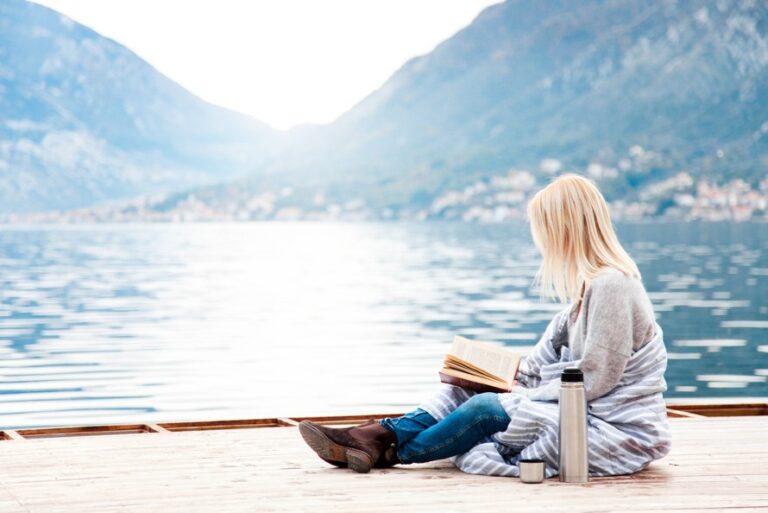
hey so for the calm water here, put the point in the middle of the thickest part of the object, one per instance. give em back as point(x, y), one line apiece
point(149, 323)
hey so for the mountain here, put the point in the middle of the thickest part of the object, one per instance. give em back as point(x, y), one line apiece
point(648, 98)
point(640, 89)
point(84, 120)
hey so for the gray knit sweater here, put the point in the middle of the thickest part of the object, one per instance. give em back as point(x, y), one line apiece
point(615, 318)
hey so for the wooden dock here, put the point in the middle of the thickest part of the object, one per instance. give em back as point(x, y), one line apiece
point(719, 462)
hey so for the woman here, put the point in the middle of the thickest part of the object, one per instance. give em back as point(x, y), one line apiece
point(608, 330)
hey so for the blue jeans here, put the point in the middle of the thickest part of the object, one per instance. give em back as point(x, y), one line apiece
point(420, 437)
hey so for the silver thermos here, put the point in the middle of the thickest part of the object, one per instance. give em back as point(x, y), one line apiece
point(574, 466)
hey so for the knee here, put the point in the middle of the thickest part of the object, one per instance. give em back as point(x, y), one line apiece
point(486, 403)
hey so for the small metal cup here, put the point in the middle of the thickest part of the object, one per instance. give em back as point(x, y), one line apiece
point(531, 471)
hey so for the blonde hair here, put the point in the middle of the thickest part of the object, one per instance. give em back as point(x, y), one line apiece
point(571, 226)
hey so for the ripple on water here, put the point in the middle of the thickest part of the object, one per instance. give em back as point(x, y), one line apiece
point(712, 344)
point(744, 324)
point(726, 381)
point(684, 356)
point(733, 378)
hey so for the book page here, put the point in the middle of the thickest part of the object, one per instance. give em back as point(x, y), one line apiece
point(445, 374)
point(498, 361)
point(453, 362)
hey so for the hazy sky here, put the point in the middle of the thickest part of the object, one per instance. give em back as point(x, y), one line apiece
point(285, 62)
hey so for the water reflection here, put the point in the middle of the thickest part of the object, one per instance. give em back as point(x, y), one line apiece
point(152, 323)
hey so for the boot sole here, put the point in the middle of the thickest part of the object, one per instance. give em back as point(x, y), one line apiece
point(333, 453)
point(359, 461)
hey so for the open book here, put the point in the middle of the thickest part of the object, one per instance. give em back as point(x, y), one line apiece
point(479, 366)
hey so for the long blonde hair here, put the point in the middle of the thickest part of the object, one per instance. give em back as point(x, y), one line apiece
point(571, 226)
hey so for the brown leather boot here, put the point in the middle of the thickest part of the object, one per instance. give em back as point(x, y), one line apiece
point(388, 458)
point(361, 447)
point(341, 462)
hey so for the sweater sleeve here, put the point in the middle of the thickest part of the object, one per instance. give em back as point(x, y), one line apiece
point(609, 335)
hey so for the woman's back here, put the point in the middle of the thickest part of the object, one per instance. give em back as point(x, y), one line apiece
point(614, 320)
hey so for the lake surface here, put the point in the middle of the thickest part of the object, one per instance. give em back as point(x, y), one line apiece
point(145, 323)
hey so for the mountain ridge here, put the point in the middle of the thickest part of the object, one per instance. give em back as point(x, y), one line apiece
point(87, 120)
point(568, 101)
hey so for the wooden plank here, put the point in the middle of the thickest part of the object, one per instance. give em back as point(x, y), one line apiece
point(10, 434)
point(673, 412)
point(219, 424)
point(113, 429)
point(723, 410)
point(155, 428)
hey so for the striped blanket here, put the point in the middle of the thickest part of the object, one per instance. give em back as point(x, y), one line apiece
point(627, 428)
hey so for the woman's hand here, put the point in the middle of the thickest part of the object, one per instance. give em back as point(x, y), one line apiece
point(514, 384)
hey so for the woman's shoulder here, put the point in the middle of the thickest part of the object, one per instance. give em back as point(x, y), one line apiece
point(612, 280)
point(621, 295)
point(615, 288)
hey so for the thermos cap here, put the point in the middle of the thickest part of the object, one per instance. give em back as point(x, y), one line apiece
point(572, 375)
point(531, 471)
